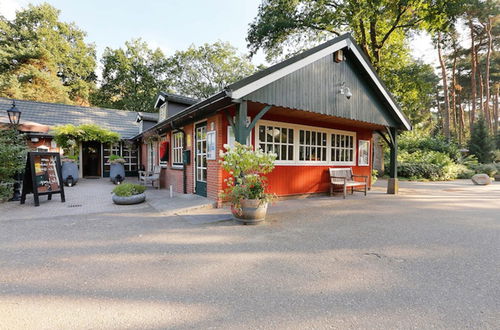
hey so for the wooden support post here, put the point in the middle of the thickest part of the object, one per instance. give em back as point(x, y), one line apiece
point(392, 184)
point(241, 132)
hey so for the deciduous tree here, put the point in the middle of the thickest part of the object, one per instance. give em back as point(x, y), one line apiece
point(131, 77)
point(44, 59)
point(202, 71)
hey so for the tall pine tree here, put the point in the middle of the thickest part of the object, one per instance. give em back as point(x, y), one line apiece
point(481, 144)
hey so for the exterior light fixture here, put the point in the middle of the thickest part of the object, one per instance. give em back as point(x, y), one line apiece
point(344, 90)
point(14, 114)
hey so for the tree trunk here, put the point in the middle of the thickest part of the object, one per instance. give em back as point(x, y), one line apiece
point(487, 74)
point(473, 86)
point(481, 91)
point(461, 121)
point(454, 94)
point(446, 110)
point(495, 109)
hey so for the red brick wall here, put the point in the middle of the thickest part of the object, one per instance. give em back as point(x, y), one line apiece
point(171, 175)
point(46, 142)
point(214, 175)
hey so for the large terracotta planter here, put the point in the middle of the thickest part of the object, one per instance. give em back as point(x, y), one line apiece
point(252, 211)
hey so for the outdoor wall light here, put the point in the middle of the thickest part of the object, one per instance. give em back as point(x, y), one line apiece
point(344, 90)
point(14, 114)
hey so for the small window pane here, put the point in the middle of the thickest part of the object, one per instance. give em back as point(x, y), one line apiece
point(290, 152)
point(262, 133)
point(269, 134)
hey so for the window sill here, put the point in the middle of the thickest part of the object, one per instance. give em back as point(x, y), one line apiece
point(177, 167)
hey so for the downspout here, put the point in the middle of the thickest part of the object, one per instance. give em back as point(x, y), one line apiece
point(184, 148)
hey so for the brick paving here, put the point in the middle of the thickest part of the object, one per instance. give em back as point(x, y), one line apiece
point(90, 196)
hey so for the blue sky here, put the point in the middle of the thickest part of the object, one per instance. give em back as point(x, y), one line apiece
point(169, 24)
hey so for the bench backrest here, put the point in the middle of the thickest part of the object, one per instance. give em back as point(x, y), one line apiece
point(337, 174)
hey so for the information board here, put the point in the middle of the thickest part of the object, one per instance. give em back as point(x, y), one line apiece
point(42, 176)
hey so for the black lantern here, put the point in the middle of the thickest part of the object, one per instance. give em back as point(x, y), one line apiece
point(14, 114)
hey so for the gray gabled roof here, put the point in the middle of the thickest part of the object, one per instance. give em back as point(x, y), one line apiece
point(148, 116)
point(343, 41)
point(164, 96)
point(53, 114)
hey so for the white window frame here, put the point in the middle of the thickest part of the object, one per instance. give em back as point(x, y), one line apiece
point(367, 143)
point(279, 126)
point(296, 137)
point(177, 149)
point(163, 139)
point(211, 145)
point(152, 155)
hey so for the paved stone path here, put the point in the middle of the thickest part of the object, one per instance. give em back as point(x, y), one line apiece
point(427, 258)
point(91, 196)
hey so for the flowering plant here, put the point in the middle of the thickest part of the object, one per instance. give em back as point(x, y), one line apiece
point(247, 168)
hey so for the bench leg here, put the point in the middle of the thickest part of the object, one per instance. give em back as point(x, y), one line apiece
point(366, 186)
point(345, 190)
point(331, 190)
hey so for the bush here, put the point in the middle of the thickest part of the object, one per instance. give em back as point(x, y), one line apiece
point(12, 160)
point(115, 159)
point(415, 140)
point(128, 189)
point(374, 176)
point(490, 169)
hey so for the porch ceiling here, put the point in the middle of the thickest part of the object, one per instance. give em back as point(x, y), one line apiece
point(296, 115)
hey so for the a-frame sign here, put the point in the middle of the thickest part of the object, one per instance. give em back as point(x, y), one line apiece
point(42, 176)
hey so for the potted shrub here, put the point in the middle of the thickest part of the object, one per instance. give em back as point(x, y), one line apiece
point(246, 188)
point(69, 171)
point(129, 193)
point(116, 169)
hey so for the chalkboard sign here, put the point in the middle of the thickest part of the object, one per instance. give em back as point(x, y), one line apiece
point(42, 176)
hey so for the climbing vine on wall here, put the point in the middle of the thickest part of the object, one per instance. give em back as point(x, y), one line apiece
point(68, 136)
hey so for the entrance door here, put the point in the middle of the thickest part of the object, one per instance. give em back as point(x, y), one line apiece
point(201, 158)
point(91, 162)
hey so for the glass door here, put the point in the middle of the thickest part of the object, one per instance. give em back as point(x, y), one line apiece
point(201, 158)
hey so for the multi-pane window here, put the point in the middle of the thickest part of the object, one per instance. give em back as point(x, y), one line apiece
point(126, 151)
point(177, 148)
point(312, 146)
point(278, 140)
point(303, 145)
point(342, 150)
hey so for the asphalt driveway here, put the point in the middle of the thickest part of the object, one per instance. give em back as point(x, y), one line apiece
point(427, 258)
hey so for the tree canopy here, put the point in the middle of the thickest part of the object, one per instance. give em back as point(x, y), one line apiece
point(202, 71)
point(44, 59)
point(131, 77)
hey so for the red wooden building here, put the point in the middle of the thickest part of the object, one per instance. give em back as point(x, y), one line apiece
point(316, 110)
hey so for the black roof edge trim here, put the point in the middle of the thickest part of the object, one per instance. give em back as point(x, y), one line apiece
point(189, 110)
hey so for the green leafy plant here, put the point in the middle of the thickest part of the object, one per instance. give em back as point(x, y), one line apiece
point(69, 136)
point(115, 159)
point(13, 151)
point(374, 176)
point(128, 189)
point(489, 169)
point(247, 168)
